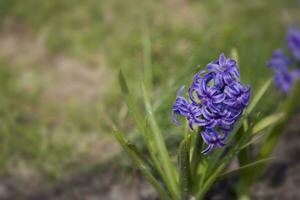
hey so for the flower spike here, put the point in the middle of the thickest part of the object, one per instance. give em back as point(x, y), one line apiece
point(216, 100)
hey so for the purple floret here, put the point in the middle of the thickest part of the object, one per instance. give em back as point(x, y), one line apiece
point(237, 95)
point(213, 139)
point(226, 70)
point(182, 107)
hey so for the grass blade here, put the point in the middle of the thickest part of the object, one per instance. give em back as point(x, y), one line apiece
point(141, 165)
point(160, 145)
point(143, 129)
point(259, 95)
point(266, 122)
point(139, 120)
point(245, 167)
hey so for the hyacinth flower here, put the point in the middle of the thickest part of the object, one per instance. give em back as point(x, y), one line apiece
point(216, 99)
point(280, 62)
point(212, 106)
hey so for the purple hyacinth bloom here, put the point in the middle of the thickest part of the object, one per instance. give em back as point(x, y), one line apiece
point(213, 139)
point(226, 70)
point(293, 42)
point(278, 59)
point(216, 100)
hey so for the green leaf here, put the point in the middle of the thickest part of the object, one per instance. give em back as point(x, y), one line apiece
point(184, 166)
point(266, 122)
point(132, 105)
point(163, 155)
point(139, 120)
point(258, 96)
point(144, 130)
point(254, 139)
point(135, 156)
point(196, 158)
point(244, 159)
point(244, 167)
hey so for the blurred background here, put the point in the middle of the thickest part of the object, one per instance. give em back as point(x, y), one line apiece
point(59, 61)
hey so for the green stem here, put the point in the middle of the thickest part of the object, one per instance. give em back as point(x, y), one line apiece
point(184, 166)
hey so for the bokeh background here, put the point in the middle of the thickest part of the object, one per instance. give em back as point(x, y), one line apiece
point(59, 61)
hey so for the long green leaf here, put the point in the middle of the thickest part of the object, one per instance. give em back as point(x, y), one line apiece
point(141, 165)
point(143, 129)
point(244, 159)
point(254, 139)
point(244, 167)
point(196, 158)
point(160, 145)
point(132, 105)
point(259, 95)
point(266, 122)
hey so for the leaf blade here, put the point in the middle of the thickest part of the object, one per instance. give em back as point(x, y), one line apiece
point(142, 165)
point(266, 122)
point(160, 145)
point(142, 128)
point(245, 167)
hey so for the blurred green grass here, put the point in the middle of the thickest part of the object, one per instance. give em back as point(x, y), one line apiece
point(109, 34)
